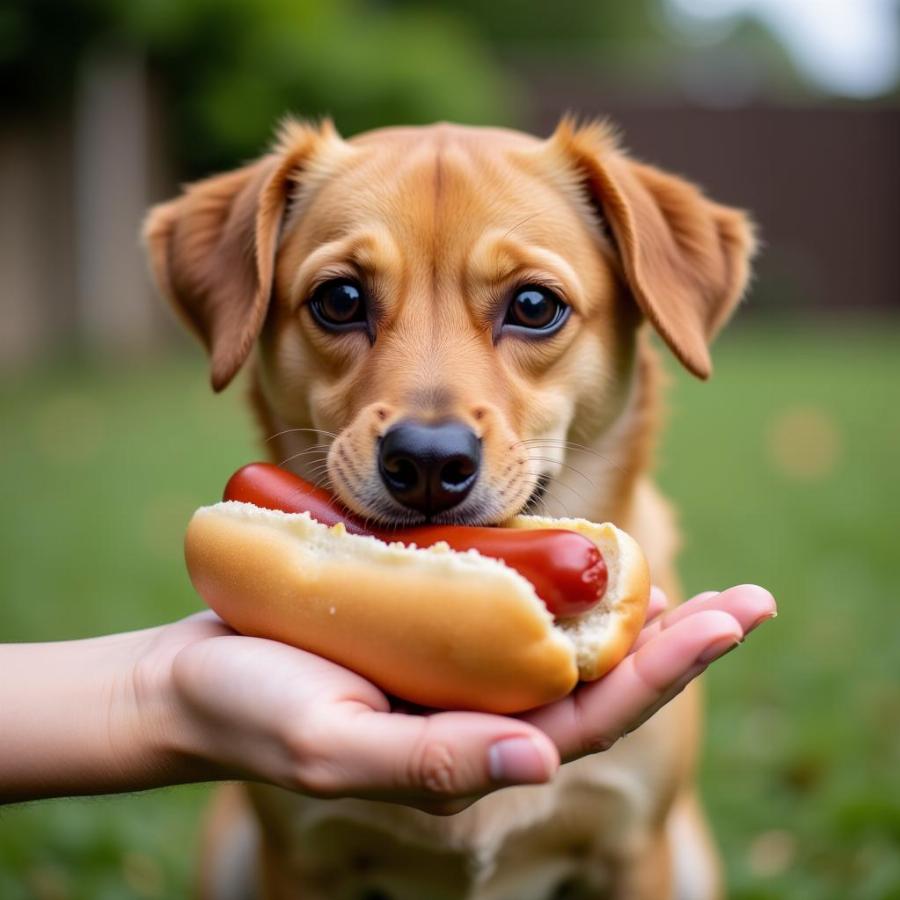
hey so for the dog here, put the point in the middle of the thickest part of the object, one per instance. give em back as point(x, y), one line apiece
point(451, 324)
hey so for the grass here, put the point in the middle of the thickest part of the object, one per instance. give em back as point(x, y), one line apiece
point(784, 469)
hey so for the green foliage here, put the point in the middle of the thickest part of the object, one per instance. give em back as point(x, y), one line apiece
point(784, 471)
point(543, 29)
point(233, 69)
point(228, 70)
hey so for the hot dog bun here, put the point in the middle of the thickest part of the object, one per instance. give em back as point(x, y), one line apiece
point(433, 626)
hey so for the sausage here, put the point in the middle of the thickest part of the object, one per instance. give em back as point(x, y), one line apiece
point(566, 569)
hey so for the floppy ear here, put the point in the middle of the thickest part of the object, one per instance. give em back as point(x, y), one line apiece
point(212, 250)
point(686, 259)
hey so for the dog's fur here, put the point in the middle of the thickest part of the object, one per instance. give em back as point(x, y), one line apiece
point(440, 224)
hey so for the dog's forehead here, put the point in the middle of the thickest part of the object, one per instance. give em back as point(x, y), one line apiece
point(443, 186)
point(443, 133)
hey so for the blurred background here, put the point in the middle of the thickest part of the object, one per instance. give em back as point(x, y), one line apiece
point(784, 466)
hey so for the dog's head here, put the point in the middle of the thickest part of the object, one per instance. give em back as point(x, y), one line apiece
point(443, 303)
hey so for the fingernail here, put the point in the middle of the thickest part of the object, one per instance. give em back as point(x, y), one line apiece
point(761, 619)
point(517, 761)
point(717, 651)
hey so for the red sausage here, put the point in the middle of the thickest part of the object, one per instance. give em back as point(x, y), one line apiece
point(566, 569)
point(265, 485)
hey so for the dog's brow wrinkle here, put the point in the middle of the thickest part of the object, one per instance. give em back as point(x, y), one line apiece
point(519, 224)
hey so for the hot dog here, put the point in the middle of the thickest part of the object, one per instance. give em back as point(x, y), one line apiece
point(444, 628)
point(566, 569)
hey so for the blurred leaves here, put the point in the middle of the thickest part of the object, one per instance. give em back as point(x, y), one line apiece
point(233, 68)
point(564, 25)
point(229, 69)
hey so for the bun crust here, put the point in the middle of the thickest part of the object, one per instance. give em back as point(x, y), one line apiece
point(433, 626)
point(604, 635)
point(438, 628)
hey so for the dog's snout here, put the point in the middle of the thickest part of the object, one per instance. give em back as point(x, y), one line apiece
point(429, 467)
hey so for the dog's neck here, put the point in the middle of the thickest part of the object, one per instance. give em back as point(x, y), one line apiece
point(597, 482)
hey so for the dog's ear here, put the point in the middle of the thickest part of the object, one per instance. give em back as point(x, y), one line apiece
point(212, 250)
point(686, 259)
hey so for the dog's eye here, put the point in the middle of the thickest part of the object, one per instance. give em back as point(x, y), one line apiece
point(536, 308)
point(338, 304)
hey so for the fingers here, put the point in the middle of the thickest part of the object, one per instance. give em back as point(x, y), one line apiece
point(657, 605)
point(363, 752)
point(749, 604)
point(596, 715)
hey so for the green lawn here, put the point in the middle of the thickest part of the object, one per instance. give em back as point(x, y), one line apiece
point(784, 468)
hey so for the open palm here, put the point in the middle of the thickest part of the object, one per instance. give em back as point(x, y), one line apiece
point(260, 710)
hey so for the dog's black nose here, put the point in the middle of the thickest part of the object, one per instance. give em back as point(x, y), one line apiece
point(429, 468)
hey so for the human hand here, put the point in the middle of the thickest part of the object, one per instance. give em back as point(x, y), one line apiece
point(255, 709)
point(260, 710)
point(672, 649)
point(193, 701)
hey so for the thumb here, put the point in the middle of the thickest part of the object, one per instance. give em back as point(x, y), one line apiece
point(443, 755)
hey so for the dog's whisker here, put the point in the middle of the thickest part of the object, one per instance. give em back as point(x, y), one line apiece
point(313, 475)
point(314, 465)
point(537, 476)
point(549, 444)
point(321, 446)
point(324, 484)
point(540, 479)
point(539, 500)
point(272, 437)
point(534, 503)
point(571, 468)
point(559, 443)
point(286, 460)
point(320, 475)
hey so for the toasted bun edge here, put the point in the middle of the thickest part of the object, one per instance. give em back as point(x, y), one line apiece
point(436, 627)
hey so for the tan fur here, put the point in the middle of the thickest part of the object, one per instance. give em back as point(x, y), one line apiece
point(440, 223)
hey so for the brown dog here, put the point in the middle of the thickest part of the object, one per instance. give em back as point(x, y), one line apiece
point(448, 326)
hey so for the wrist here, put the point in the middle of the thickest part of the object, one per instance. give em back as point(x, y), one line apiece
point(176, 742)
point(144, 737)
point(72, 719)
point(144, 723)
point(152, 721)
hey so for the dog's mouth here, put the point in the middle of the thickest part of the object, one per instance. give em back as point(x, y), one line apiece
point(483, 509)
point(385, 513)
point(536, 498)
point(423, 487)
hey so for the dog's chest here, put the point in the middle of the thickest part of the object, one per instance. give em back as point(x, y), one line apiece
point(530, 843)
